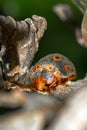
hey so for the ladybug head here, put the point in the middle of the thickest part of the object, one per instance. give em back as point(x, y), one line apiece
point(44, 80)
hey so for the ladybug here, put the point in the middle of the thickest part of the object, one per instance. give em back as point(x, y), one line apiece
point(51, 71)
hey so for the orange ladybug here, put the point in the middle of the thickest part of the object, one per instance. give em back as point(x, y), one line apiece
point(51, 71)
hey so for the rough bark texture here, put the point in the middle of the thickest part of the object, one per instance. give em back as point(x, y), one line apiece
point(19, 43)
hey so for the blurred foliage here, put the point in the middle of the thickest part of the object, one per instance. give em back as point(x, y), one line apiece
point(59, 37)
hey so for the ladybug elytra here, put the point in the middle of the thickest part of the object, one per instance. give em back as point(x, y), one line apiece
point(51, 71)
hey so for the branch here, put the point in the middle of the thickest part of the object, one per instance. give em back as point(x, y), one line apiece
point(19, 43)
point(73, 115)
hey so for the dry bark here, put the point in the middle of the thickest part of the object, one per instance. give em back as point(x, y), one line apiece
point(19, 43)
point(73, 116)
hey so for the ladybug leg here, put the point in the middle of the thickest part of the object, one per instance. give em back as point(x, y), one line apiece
point(56, 82)
point(40, 84)
point(53, 84)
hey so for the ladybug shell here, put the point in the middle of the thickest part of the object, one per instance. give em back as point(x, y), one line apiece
point(52, 70)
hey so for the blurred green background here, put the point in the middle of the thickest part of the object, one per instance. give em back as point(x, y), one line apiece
point(59, 37)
